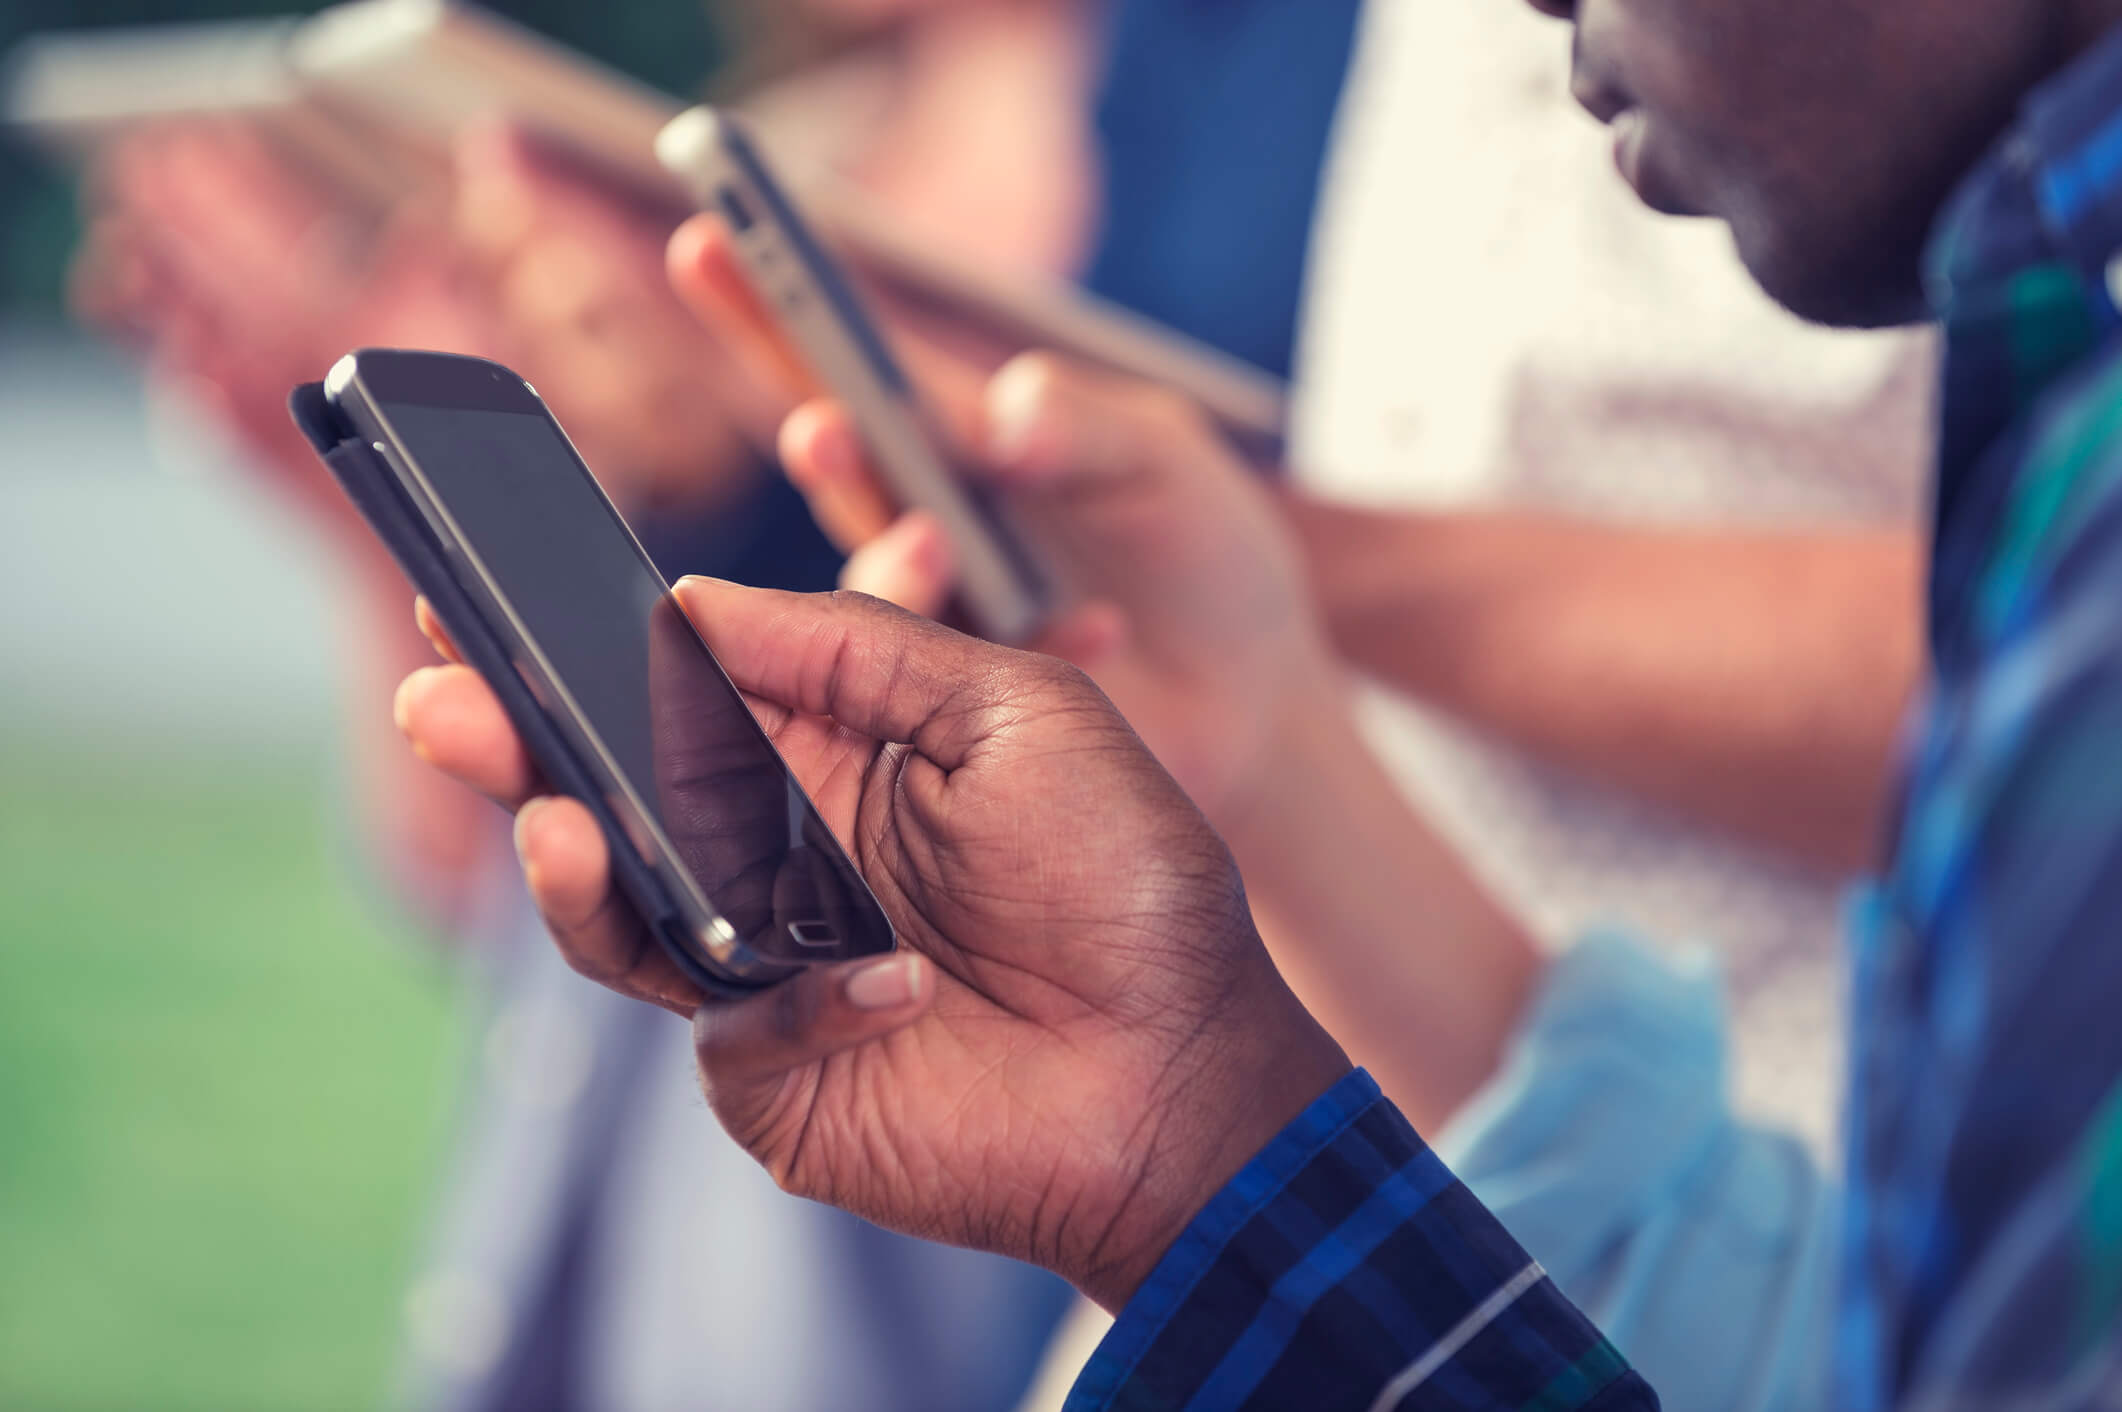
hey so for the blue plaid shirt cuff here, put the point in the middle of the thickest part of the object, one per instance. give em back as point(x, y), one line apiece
point(1346, 1267)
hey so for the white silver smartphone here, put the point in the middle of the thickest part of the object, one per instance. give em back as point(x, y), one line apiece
point(373, 91)
point(1012, 310)
point(1001, 586)
point(72, 92)
point(441, 65)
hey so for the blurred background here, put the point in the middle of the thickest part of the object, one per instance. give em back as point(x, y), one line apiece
point(222, 1070)
point(224, 1061)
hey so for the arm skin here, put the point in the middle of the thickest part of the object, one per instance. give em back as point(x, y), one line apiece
point(1374, 921)
point(1751, 680)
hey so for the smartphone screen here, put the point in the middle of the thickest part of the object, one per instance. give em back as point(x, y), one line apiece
point(697, 779)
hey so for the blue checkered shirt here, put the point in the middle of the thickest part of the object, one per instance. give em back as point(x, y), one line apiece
point(1346, 1268)
point(1983, 1247)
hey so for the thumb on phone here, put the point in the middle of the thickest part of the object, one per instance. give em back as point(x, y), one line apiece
point(751, 1050)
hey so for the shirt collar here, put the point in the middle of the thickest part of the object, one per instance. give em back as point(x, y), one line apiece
point(2023, 274)
point(2050, 191)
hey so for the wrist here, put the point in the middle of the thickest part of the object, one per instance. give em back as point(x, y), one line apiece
point(1375, 920)
point(1308, 746)
point(1270, 1063)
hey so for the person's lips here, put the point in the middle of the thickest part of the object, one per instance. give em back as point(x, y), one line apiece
point(1636, 148)
point(1636, 156)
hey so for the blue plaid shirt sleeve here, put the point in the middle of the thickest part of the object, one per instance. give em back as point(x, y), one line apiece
point(1346, 1267)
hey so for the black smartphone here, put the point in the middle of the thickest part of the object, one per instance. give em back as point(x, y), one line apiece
point(471, 482)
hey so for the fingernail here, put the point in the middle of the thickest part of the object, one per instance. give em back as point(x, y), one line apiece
point(886, 985)
point(1014, 398)
point(833, 455)
point(401, 704)
point(525, 818)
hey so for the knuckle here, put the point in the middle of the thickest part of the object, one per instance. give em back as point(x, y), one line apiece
point(1053, 680)
point(848, 601)
point(1067, 677)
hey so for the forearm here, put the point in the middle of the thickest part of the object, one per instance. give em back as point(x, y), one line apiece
point(1752, 680)
point(1375, 922)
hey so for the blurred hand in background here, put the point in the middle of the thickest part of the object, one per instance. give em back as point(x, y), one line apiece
point(240, 275)
point(572, 269)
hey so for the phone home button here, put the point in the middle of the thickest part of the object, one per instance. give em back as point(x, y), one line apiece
point(814, 933)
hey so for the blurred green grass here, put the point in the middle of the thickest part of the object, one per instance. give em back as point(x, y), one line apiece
point(221, 1084)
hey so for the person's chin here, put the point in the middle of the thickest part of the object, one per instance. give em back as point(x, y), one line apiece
point(1867, 284)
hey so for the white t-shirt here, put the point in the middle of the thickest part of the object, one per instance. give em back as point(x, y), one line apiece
point(1492, 319)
